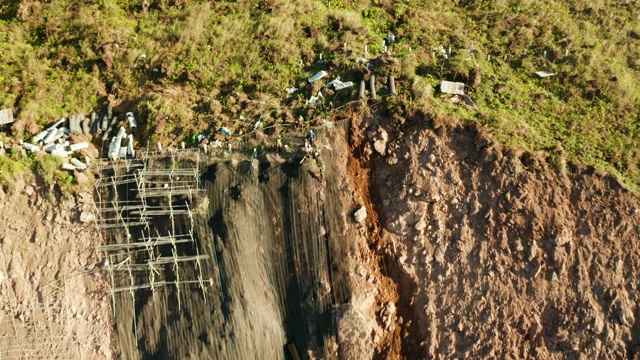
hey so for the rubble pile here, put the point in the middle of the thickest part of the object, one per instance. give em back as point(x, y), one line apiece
point(56, 141)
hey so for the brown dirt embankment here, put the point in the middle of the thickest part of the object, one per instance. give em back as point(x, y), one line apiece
point(54, 300)
point(491, 252)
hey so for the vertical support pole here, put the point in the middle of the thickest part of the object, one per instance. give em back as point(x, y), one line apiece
point(113, 284)
point(391, 82)
point(372, 86)
point(361, 90)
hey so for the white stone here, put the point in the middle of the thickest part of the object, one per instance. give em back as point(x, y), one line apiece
point(86, 217)
point(360, 215)
point(382, 134)
point(420, 225)
point(380, 147)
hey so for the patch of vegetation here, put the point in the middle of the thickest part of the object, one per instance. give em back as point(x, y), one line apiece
point(13, 166)
point(186, 66)
point(49, 168)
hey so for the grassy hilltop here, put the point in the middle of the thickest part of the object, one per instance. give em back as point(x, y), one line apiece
point(185, 66)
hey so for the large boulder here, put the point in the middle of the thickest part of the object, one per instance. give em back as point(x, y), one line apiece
point(354, 334)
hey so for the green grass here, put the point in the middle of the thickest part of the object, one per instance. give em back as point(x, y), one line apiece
point(208, 63)
point(12, 166)
point(16, 167)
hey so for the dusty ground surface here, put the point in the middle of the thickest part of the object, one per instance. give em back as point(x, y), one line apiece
point(53, 297)
point(495, 255)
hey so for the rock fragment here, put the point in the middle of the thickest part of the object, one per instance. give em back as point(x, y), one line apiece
point(86, 217)
point(360, 215)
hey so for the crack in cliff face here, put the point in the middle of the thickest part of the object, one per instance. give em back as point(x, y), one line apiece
point(395, 314)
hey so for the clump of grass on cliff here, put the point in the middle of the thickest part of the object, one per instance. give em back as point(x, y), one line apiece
point(206, 64)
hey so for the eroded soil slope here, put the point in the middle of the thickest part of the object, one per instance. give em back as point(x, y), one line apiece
point(493, 253)
point(54, 299)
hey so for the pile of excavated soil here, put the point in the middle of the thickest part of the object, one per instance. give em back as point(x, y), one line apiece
point(54, 300)
point(493, 254)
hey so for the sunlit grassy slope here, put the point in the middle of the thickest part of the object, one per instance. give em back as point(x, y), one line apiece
point(206, 64)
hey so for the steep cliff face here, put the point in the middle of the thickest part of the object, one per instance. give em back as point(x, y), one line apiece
point(418, 242)
point(283, 252)
point(492, 253)
point(293, 263)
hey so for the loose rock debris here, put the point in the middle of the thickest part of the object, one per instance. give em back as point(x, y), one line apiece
point(55, 139)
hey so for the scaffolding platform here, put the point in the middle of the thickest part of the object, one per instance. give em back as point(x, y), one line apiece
point(145, 213)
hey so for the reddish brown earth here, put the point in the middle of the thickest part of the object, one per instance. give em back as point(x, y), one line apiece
point(492, 254)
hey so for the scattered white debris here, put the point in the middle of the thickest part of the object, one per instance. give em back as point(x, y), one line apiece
point(130, 150)
point(30, 147)
point(391, 38)
point(544, 74)
point(470, 102)
point(79, 146)
point(6, 116)
point(51, 147)
point(361, 60)
point(216, 144)
point(132, 120)
point(443, 51)
point(448, 87)
point(53, 135)
point(339, 85)
point(313, 100)
point(113, 151)
point(60, 153)
point(141, 57)
point(115, 148)
point(40, 136)
point(78, 164)
point(291, 90)
point(317, 76)
point(122, 151)
point(68, 166)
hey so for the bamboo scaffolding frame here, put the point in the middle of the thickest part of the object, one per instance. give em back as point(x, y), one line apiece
point(163, 186)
